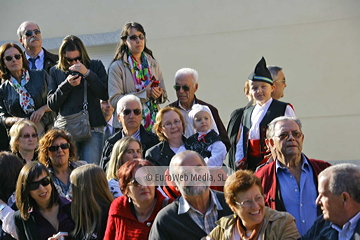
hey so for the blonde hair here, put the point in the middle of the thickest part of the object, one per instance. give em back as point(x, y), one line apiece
point(15, 132)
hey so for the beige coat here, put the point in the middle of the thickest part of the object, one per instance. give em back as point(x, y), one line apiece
point(276, 226)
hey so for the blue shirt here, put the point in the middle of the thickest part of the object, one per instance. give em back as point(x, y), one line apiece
point(348, 229)
point(299, 201)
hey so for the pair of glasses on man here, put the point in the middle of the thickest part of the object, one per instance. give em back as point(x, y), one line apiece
point(135, 38)
point(10, 58)
point(44, 182)
point(286, 135)
point(63, 146)
point(29, 33)
point(27, 136)
point(135, 111)
point(184, 87)
point(73, 59)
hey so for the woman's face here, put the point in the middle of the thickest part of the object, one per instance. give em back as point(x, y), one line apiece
point(72, 57)
point(139, 193)
point(133, 151)
point(60, 157)
point(28, 139)
point(134, 43)
point(43, 193)
point(251, 211)
point(172, 127)
point(15, 65)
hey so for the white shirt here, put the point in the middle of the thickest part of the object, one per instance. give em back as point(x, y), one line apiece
point(39, 62)
point(189, 130)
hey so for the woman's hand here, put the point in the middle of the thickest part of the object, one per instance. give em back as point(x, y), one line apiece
point(78, 67)
point(37, 115)
point(74, 80)
point(156, 92)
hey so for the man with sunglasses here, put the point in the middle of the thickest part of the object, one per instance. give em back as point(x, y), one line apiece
point(129, 111)
point(186, 84)
point(30, 38)
point(290, 181)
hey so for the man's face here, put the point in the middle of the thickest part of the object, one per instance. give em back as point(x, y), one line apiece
point(31, 42)
point(186, 98)
point(131, 121)
point(280, 85)
point(288, 139)
point(106, 108)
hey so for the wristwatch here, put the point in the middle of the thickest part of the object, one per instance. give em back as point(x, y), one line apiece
point(2, 206)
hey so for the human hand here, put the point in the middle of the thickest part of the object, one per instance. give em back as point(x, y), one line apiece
point(37, 115)
point(242, 164)
point(74, 80)
point(78, 67)
point(156, 92)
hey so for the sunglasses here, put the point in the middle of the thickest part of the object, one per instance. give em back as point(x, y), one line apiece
point(63, 146)
point(10, 58)
point(134, 182)
point(29, 33)
point(184, 87)
point(27, 136)
point(73, 59)
point(134, 37)
point(44, 182)
point(135, 111)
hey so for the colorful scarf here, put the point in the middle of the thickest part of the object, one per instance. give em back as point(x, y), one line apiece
point(26, 101)
point(142, 77)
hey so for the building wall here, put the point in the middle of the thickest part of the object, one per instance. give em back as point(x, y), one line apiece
point(316, 42)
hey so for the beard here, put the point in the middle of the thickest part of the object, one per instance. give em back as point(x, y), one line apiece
point(193, 190)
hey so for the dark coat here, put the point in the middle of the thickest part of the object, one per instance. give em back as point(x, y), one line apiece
point(49, 60)
point(160, 154)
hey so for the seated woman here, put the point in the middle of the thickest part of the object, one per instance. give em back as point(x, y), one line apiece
point(124, 150)
point(90, 202)
point(24, 140)
point(131, 215)
point(252, 220)
point(42, 212)
point(58, 153)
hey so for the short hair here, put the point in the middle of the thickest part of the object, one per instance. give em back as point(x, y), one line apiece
point(4, 72)
point(126, 171)
point(240, 181)
point(120, 106)
point(118, 151)
point(270, 132)
point(88, 198)
point(21, 28)
point(28, 174)
point(15, 133)
point(10, 167)
point(343, 177)
point(274, 70)
point(72, 43)
point(46, 142)
point(158, 122)
point(188, 71)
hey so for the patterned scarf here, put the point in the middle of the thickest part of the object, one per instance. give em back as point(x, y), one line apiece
point(26, 101)
point(142, 77)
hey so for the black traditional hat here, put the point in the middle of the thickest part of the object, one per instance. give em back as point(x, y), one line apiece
point(261, 73)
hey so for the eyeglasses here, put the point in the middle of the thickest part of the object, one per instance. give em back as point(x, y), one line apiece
point(44, 182)
point(135, 38)
point(63, 146)
point(134, 183)
point(284, 81)
point(29, 33)
point(186, 88)
point(73, 59)
point(286, 135)
point(10, 58)
point(176, 122)
point(248, 203)
point(27, 136)
point(135, 111)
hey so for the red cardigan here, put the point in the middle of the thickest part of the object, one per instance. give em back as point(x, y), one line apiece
point(269, 181)
point(123, 225)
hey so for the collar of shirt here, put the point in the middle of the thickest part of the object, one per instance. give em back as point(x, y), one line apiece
point(184, 205)
point(40, 62)
point(305, 164)
point(110, 122)
point(181, 107)
point(266, 105)
point(135, 135)
point(348, 229)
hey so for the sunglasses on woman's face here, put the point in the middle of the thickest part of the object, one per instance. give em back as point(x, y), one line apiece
point(27, 135)
point(10, 58)
point(44, 182)
point(63, 146)
point(135, 38)
point(70, 60)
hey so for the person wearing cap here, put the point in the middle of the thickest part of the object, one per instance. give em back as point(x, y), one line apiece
point(251, 147)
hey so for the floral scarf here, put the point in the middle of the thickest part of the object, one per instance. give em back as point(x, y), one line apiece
point(142, 77)
point(26, 102)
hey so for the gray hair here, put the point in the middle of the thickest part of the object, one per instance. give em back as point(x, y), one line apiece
point(274, 70)
point(21, 28)
point(270, 132)
point(188, 71)
point(120, 106)
point(343, 177)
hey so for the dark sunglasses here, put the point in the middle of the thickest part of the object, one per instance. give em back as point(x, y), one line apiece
point(134, 37)
point(73, 59)
point(135, 111)
point(10, 58)
point(63, 146)
point(26, 136)
point(184, 87)
point(29, 33)
point(44, 182)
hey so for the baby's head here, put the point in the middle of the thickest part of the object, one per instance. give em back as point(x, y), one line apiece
point(202, 118)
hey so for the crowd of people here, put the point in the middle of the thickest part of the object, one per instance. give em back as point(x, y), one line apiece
point(77, 143)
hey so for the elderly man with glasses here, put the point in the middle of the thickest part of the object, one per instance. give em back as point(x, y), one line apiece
point(290, 181)
point(129, 111)
point(30, 38)
point(186, 84)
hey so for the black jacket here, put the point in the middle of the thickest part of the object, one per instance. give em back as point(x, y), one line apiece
point(160, 154)
point(49, 60)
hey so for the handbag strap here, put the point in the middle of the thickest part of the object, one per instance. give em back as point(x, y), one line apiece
point(85, 104)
